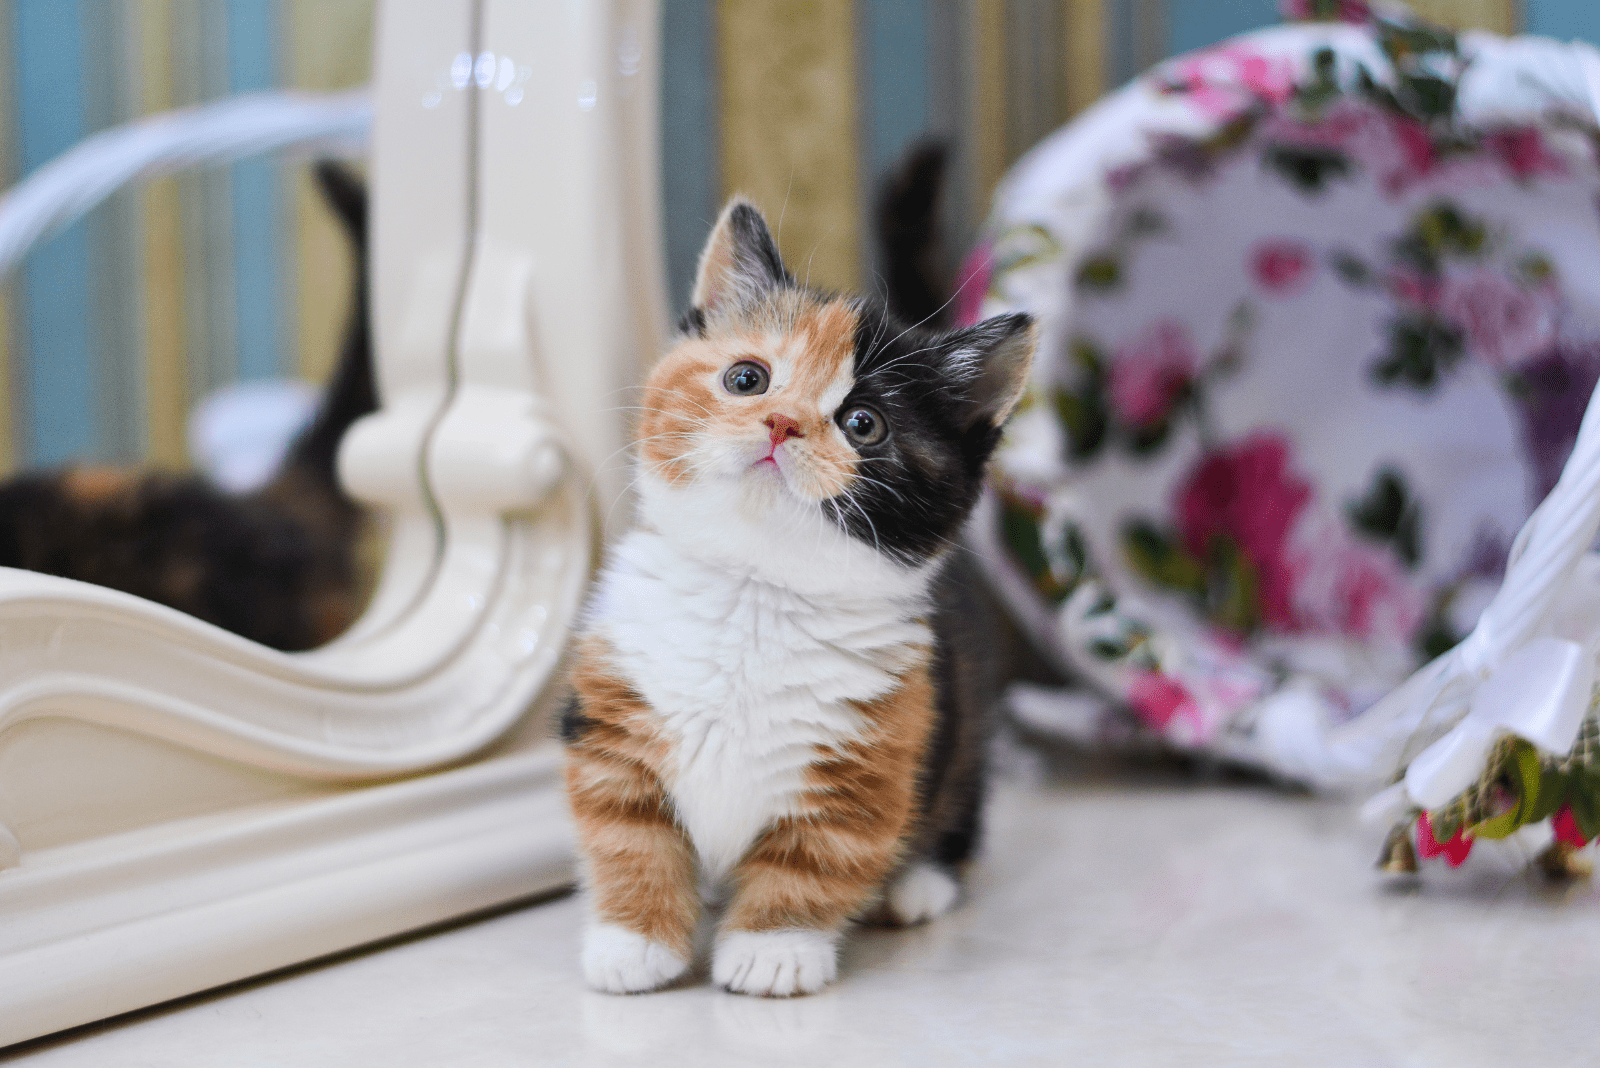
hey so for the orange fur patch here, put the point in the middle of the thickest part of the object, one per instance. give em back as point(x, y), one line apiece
point(807, 344)
point(825, 864)
point(641, 865)
point(826, 334)
point(683, 399)
point(96, 485)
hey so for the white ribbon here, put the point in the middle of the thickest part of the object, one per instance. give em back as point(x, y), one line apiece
point(1539, 693)
point(1543, 560)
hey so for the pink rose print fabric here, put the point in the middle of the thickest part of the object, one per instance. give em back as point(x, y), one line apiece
point(1281, 266)
point(1151, 375)
point(1245, 497)
point(1506, 322)
point(1321, 316)
point(1222, 81)
point(1158, 700)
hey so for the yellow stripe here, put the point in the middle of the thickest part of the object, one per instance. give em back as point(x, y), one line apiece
point(987, 121)
point(789, 137)
point(329, 45)
point(166, 364)
point(1085, 53)
point(1497, 15)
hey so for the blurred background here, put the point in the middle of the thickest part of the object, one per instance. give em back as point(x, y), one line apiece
point(113, 330)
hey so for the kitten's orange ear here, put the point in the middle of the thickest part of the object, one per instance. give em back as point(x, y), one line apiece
point(740, 259)
point(995, 357)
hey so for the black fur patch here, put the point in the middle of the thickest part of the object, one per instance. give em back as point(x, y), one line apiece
point(245, 564)
point(915, 277)
point(693, 322)
point(754, 248)
point(972, 661)
point(574, 724)
point(915, 488)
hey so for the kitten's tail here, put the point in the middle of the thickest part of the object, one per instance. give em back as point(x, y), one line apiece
point(909, 244)
point(310, 466)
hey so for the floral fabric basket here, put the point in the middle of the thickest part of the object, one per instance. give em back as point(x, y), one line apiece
point(1320, 316)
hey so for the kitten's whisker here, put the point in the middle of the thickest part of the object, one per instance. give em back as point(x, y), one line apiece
point(778, 240)
point(680, 393)
point(601, 466)
point(622, 496)
point(870, 525)
point(883, 485)
point(948, 300)
point(900, 359)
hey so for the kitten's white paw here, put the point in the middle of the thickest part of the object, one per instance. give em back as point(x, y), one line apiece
point(618, 961)
point(775, 963)
point(921, 893)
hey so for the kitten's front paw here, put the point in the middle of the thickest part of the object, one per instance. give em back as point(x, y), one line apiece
point(921, 893)
point(618, 961)
point(774, 963)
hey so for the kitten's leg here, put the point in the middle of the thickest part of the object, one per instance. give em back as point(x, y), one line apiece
point(920, 892)
point(640, 874)
point(929, 883)
point(970, 680)
point(795, 890)
point(812, 871)
point(639, 865)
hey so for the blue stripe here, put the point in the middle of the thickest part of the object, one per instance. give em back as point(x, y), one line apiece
point(690, 193)
point(1120, 48)
point(1563, 19)
point(1193, 24)
point(59, 406)
point(896, 35)
point(257, 201)
point(1139, 36)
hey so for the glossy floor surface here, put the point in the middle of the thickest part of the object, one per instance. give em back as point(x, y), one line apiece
point(1118, 918)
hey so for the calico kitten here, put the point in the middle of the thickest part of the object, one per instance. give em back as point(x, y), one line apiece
point(773, 689)
point(277, 566)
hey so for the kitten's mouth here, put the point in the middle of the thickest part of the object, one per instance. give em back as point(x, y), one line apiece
point(769, 462)
point(769, 467)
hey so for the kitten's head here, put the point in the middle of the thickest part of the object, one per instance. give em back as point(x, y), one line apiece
point(882, 428)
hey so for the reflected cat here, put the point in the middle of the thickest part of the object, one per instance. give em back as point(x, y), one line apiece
point(277, 566)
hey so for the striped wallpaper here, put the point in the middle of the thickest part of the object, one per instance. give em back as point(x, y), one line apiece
point(746, 80)
point(113, 329)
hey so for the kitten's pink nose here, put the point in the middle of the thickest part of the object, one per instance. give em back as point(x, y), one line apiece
point(782, 427)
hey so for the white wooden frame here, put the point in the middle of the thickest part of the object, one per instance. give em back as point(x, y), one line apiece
point(180, 807)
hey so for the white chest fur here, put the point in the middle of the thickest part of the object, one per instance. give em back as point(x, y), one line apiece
point(749, 675)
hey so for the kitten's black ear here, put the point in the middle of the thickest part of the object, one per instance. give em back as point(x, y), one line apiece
point(994, 357)
point(740, 259)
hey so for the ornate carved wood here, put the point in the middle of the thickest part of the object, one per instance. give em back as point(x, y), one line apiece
point(180, 807)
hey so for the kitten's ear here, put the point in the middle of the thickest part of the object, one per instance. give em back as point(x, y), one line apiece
point(740, 259)
point(994, 357)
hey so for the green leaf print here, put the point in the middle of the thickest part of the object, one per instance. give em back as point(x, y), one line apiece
point(1160, 560)
point(1390, 514)
point(1019, 527)
point(1308, 169)
point(1421, 349)
point(1101, 273)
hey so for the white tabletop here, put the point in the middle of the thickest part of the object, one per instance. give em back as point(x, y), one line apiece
point(1116, 918)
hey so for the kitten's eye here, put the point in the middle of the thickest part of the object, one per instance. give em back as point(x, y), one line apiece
point(745, 379)
point(864, 426)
